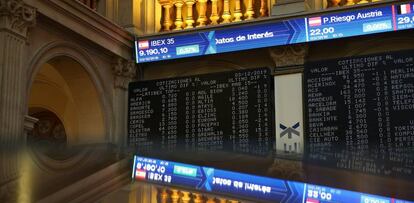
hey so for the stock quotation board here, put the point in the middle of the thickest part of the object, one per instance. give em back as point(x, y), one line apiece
point(244, 186)
point(360, 113)
point(378, 19)
point(229, 111)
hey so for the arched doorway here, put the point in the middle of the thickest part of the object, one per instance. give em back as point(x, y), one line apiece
point(68, 142)
point(64, 99)
point(62, 87)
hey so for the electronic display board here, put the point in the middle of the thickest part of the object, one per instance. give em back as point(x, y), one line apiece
point(245, 186)
point(347, 23)
point(227, 111)
point(351, 23)
point(220, 41)
point(360, 113)
point(404, 16)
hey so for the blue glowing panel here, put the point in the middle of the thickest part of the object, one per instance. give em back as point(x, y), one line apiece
point(220, 41)
point(172, 47)
point(353, 23)
point(404, 16)
point(254, 187)
point(322, 194)
point(257, 36)
point(244, 185)
point(217, 181)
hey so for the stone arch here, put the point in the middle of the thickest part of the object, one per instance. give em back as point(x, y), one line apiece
point(76, 54)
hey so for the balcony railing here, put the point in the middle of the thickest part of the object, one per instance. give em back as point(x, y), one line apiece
point(166, 195)
point(337, 3)
point(89, 3)
point(186, 14)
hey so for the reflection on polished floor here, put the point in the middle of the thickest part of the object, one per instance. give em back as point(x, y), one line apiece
point(391, 181)
point(104, 176)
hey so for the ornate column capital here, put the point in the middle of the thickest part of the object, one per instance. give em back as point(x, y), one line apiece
point(287, 169)
point(124, 71)
point(293, 55)
point(16, 16)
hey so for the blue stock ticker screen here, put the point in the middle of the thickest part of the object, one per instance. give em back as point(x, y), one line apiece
point(299, 30)
point(246, 186)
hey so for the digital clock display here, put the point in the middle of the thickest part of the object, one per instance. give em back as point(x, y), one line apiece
point(336, 25)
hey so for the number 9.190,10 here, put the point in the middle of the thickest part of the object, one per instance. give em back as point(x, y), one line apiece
point(154, 51)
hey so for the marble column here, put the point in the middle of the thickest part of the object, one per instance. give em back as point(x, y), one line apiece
point(125, 71)
point(16, 18)
point(288, 60)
